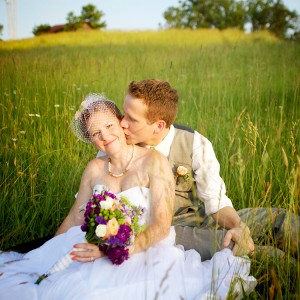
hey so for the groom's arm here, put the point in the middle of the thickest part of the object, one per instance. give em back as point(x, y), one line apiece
point(238, 231)
point(162, 196)
point(211, 189)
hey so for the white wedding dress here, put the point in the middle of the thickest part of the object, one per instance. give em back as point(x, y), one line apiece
point(164, 271)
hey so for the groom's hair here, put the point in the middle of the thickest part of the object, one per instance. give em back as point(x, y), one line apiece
point(159, 96)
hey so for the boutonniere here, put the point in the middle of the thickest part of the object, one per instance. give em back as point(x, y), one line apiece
point(182, 175)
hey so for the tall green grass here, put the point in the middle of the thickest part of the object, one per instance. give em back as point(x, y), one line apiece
point(241, 91)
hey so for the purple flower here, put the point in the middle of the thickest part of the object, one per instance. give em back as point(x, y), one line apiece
point(86, 215)
point(88, 210)
point(115, 241)
point(100, 220)
point(103, 248)
point(98, 197)
point(123, 233)
point(111, 195)
point(84, 227)
point(118, 254)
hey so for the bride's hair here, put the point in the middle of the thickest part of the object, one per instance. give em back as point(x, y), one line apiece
point(92, 103)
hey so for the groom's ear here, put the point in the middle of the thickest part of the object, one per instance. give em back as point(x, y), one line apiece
point(160, 126)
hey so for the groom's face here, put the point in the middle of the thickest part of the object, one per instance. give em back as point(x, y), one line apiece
point(135, 124)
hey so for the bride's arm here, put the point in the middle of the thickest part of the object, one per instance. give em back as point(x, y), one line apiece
point(162, 195)
point(75, 215)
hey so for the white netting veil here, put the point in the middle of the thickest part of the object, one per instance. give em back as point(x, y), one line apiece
point(92, 103)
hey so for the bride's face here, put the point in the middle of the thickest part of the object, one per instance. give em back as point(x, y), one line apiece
point(105, 132)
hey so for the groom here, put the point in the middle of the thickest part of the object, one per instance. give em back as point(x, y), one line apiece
point(150, 108)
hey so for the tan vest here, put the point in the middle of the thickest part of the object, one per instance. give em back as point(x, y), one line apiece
point(186, 201)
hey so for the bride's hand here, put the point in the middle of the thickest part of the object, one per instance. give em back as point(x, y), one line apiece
point(85, 252)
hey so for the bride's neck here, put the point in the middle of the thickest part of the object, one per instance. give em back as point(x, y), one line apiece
point(119, 161)
point(121, 155)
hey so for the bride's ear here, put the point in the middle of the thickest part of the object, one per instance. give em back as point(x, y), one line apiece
point(160, 126)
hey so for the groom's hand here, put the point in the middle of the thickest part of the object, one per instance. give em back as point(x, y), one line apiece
point(243, 243)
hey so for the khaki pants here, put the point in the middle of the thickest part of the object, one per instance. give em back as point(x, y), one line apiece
point(268, 226)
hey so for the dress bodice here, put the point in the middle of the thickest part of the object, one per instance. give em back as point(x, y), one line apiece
point(137, 195)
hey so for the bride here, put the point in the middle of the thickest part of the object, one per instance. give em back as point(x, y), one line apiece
point(156, 268)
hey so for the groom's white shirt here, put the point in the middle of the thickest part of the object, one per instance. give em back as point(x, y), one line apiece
point(210, 186)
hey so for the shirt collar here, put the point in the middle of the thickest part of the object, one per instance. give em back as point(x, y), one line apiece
point(165, 145)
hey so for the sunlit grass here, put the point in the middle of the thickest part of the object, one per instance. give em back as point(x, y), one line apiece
point(190, 38)
point(241, 91)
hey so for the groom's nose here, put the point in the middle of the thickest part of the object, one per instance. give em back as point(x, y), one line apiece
point(124, 123)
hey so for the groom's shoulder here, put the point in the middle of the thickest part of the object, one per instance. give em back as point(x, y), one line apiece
point(183, 137)
point(182, 131)
point(184, 128)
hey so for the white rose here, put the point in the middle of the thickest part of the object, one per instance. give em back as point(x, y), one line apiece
point(107, 198)
point(107, 204)
point(101, 230)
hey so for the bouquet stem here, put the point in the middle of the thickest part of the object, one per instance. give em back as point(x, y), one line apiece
point(60, 265)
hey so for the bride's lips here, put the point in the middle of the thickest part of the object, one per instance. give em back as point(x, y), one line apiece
point(109, 143)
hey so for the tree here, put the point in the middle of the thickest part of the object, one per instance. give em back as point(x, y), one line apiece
point(262, 14)
point(91, 15)
point(281, 20)
point(1, 29)
point(174, 17)
point(73, 22)
point(258, 12)
point(229, 14)
point(206, 14)
point(41, 29)
point(272, 15)
point(295, 35)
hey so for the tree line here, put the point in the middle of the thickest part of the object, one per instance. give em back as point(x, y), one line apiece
point(89, 15)
point(270, 15)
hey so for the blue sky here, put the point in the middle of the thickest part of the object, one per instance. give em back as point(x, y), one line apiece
point(119, 14)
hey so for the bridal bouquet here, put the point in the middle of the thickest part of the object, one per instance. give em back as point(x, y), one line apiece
point(110, 222)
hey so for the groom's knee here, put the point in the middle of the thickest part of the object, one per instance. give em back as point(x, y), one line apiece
point(205, 241)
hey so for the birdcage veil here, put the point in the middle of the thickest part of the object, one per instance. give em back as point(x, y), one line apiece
point(92, 103)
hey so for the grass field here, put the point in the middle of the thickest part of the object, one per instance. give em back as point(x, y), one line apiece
point(241, 91)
